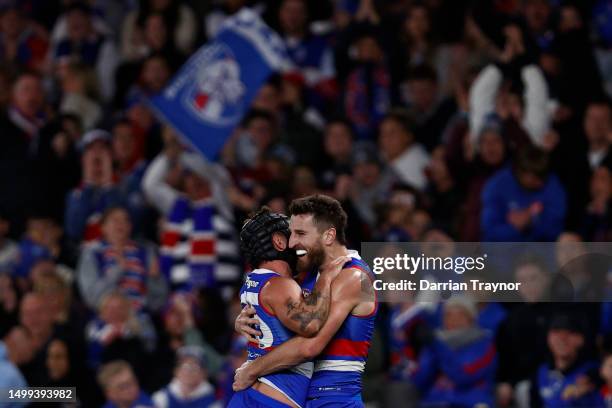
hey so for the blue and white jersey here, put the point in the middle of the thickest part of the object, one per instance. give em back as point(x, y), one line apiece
point(338, 369)
point(293, 383)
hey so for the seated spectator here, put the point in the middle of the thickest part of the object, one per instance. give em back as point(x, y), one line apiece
point(84, 43)
point(568, 379)
point(119, 332)
point(200, 214)
point(458, 368)
point(121, 388)
point(22, 43)
point(116, 263)
point(398, 146)
point(190, 386)
point(523, 202)
point(97, 192)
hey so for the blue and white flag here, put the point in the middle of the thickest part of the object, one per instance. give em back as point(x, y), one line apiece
point(211, 93)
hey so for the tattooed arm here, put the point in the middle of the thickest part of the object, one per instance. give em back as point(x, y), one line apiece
point(302, 315)
point(352, 292)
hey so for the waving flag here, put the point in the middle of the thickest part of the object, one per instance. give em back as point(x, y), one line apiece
point(210, 94)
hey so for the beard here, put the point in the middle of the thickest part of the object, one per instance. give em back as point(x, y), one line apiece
point(313, 259)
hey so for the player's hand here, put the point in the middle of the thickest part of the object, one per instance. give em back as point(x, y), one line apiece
point(244, 324)
point(332, 269)
point(243, 379)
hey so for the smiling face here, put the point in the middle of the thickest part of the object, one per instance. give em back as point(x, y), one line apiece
point(306, 236)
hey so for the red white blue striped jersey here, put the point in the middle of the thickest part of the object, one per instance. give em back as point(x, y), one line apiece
point(293, 383)
point(338, 369)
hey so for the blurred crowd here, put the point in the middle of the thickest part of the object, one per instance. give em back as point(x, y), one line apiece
point(429, 120)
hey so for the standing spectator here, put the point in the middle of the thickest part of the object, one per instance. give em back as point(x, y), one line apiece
point(598, 128)
point(367, 87)
point(523, 97)
point(98, 191)
point(83, 43)
point(597, 221)
point(22, 44)
point(118, 264)
point(310, 53)
point(523, 202)
point(179, 24)
point(20, 125)
point(199, 215)
point(429, 110)
point(121, 387)
point(398, 146)
point(190, 386)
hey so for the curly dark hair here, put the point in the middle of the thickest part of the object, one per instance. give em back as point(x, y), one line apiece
point(326, 211)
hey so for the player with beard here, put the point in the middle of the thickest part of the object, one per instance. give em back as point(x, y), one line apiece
point(280, 308)
point(340, 348)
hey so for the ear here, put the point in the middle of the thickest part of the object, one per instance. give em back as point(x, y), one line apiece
point(329, 236)
point(279, 241)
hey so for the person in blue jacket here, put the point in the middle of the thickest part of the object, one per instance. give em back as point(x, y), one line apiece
point(569, 379)
point(458, 368)
point(523, 202)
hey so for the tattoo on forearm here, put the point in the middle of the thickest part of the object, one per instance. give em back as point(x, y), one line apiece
point(314, 307)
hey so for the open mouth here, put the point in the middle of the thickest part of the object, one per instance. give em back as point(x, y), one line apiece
point(301, 252)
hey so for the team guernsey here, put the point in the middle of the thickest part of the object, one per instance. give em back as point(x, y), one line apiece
point(338, 369)
point(293, 383)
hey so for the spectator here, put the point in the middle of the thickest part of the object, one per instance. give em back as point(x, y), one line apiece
point(39, 243)
point(121, 388)
point(398, 146)
point(458, 368)
point(367, 87)
point(178, 22)
point(190, 386)
point(529, 207)
point(22, 43)
point(8, 248)
point(119, 332)
point(98, 191)
point(309, 52)
point(10, 377)
point(85, 44)
point(37, 320)
point(568, 378)
point(605, 371)
point(80, 94)
point(429, 110)
point(338, 145)
point(118, 264)
point(9, 303)
point(529, 108)
point(597, 221)
point(20, 123)
point(597, 128)
point(204, 200)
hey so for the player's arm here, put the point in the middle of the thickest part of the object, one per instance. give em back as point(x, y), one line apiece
point(302, 315)
point(346, 294)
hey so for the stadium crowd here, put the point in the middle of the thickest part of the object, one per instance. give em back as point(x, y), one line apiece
point(430, 120)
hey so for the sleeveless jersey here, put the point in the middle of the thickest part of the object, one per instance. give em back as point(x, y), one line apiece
point(293, 383)
point(338, 369)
